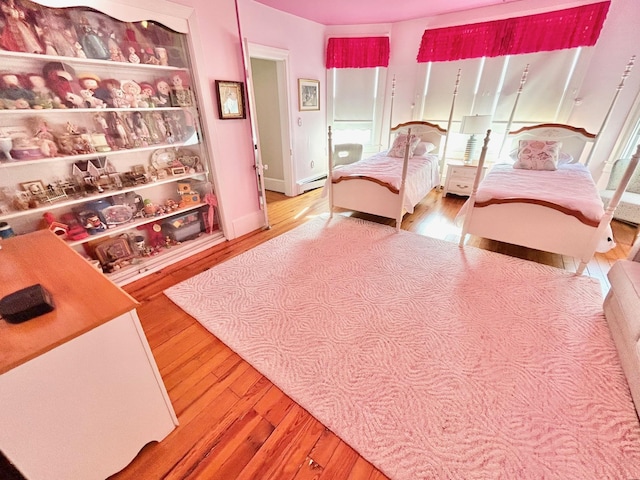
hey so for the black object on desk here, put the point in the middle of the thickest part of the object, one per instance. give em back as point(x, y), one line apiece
point(26, 303)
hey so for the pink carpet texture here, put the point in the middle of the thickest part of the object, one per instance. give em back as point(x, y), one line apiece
point(432, 361)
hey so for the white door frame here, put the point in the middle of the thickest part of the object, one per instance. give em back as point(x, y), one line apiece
point(281, 57)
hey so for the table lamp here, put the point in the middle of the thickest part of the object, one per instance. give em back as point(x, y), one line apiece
point(472, 125)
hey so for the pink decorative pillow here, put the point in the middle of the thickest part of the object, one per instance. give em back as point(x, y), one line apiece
point(538, 155)
point(399, 144)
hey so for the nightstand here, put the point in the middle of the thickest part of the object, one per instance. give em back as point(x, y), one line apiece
point(460, 177)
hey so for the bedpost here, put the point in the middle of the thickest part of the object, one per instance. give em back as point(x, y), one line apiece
point(393, 94)
point(330, 176)
point(610, 210)
point(507, 129)
point(625, 74)
point(472, 198)
point(446, 139)
point(405, 167)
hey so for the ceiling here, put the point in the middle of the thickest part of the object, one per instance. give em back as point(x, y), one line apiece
point(357, 12)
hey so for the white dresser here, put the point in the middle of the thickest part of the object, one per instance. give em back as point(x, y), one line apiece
point(80, 392)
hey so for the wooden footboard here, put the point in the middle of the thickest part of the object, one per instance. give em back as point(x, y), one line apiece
point(364, 195)
point(533, 226)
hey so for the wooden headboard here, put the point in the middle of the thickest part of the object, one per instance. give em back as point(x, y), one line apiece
point(576, 141)
point(428, 132)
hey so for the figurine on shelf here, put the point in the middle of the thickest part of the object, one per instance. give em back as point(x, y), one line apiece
point(18, 35)
point(50, 222)
point(108, 32)
point(44, 137)
point(6, 144)
point(133, 56)
point(13, 94)
point(163, 92)
point(118, 99)
point(58, 35)
point(121, 134)
point(92, 44)
point(160, 126)
point(60, 79)
point(146, 95)
point(131, 92)
point(43, 95)
point(90, 101)
point(141, 129)
point(180, 93)
point(90, 81)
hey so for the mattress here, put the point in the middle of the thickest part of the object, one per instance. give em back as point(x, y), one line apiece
point(570, 189)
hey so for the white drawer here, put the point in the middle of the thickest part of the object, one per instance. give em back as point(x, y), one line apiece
point(462, 172)
point(460, 187)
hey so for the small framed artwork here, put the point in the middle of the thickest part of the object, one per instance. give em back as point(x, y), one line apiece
point(308, 94)
point(35, 187)
point(230, 99)
point(181, 97)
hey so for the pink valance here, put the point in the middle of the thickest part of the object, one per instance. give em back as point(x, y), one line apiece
point(358, 52)
point(569, 28)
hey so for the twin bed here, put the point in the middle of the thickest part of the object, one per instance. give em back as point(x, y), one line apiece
point(391, 183)
point(553, 207)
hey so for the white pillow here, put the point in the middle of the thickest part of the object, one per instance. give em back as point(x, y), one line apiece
point(424, 147)
point(399, 144)
point(538, 155)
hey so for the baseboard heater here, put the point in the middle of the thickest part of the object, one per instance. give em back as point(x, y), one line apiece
point(311, 183)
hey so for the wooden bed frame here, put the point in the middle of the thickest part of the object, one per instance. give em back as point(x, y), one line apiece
point(369, 195)
point(543, 226)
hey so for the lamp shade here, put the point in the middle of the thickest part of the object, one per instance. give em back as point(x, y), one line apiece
point(472, 124)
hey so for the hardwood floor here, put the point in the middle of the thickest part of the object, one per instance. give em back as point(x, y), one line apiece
point(235, 424)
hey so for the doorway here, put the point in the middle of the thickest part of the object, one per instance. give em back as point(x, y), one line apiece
point(269, 83)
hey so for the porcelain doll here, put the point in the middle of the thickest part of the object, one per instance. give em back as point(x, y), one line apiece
point(18, 35)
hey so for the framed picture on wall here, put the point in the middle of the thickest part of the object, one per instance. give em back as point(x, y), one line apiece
point(230, 99)
point(308, 94)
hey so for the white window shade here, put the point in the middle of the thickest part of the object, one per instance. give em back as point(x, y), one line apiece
point(354, 94)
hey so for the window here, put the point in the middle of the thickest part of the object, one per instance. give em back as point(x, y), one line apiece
point(355, 105)
point(489, 86)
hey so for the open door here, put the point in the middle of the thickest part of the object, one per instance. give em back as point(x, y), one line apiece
point(258, 166)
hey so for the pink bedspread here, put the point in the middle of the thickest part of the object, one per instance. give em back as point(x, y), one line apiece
point(422, 174)
point(570, 186)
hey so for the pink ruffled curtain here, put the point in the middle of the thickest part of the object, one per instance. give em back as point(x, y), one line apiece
point(360, 52)
point(570, 28)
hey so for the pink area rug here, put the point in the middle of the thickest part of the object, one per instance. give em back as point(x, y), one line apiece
point(433, 362)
